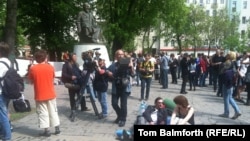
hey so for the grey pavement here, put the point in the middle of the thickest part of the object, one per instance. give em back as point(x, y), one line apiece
point(88, 127)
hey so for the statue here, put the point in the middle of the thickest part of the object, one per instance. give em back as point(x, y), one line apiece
point(88, 30)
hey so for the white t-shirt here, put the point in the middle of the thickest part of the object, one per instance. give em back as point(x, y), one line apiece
point(3, 68)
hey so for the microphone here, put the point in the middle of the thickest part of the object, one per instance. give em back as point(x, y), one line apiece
point(96, 49)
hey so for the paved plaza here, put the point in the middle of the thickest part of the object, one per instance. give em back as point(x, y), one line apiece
point(88, 127)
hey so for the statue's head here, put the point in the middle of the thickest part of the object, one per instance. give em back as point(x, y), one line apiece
point(86, 7)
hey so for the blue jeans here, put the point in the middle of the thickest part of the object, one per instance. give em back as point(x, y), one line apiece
point(228, 99)
point(102, 97)
point(202, 79)
point(138, 77)
point(164, 78)
point(4, 119)
point(89, 89)
point(145, 82)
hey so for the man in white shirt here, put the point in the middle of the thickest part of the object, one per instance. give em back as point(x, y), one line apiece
point(4, 119)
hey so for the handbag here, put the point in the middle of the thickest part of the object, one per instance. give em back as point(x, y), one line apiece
point(247, 77)
point(21, 105)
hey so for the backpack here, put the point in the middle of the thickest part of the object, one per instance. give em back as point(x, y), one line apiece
point(13, 83)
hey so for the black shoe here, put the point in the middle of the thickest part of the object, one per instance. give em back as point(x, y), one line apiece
point(122, 123)
point(236, 115)
point(57, 130)
point(247, 104)
point(183, 92)
point(85, 109)
point(45, 134)
point(117, 120)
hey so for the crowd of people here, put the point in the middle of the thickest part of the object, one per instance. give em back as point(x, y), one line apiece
point(225, 73)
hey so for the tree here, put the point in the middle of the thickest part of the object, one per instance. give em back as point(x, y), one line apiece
point(126, 19)
point(174, 17)
point(9, 32)
point(49, 24)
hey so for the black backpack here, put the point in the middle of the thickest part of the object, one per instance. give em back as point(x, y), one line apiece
point(13, 83)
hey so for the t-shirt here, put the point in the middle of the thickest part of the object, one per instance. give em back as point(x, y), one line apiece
point(42, 76)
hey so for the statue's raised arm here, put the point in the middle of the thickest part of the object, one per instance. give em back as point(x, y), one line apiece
point(88, 30)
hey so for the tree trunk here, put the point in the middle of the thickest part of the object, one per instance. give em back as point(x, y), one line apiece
point(117, 44)
point(9, 35)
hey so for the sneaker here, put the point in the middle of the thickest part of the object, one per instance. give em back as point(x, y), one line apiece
point(224, 116)
point(86, 109)
point(57, 130)
point(101, 116)
point(45, 134)
point(236, 115)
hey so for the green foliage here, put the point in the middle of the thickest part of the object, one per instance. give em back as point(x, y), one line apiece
point(49, 24)
point(126, 19)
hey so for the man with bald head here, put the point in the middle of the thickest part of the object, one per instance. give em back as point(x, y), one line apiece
point(217, 60)
point(117, 71)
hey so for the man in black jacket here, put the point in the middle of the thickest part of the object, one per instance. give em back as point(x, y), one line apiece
point(71, 78)
point(156, 114)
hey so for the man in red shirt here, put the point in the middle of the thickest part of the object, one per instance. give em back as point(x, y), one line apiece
point(42, 76)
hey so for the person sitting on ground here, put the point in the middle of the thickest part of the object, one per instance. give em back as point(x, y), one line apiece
point(156, 114)
point(183, 113)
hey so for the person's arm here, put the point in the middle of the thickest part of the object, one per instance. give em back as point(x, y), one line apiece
point(147, 114)
point(172, 121)
point(79, 22)
point(188, 116)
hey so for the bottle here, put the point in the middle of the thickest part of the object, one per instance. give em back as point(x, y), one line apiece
point(142, 108)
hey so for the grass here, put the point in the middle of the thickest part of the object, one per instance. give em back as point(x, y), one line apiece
point(17, 115)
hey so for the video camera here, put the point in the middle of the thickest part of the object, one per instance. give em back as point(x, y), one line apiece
point(123, 62)
point(89, 64)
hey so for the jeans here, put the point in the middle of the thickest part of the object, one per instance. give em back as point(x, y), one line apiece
point(228, 99)
point(145, 82)
point(202, 79)
point(184, 82)
point(138, 78)
point(102, 98)
point(90, 90)
point(4, 119)
point(164, 78)
point(215, 79)
point(121, 111)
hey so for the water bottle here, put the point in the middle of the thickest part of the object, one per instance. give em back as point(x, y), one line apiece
point(142, 107)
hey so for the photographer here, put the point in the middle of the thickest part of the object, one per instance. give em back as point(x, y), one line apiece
point(146, 70)
point(120, 90)
point(88, 73)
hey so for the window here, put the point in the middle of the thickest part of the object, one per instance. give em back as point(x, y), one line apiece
point(201, 2)
point(207, 12)
point(215, 1)
point(245, 5)
point(165, 42)
point(172, 43)
point(221, 1)
point(234, 6)
point(214, 12)
point(243, 32)
point(243, 20)
point(208, 1)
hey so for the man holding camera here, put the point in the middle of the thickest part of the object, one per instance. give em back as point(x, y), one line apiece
point(120, 72)
point(146, 70)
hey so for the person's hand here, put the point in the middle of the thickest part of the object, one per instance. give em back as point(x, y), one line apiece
point(110, 74)
point(73, 77)
point(151, 123)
